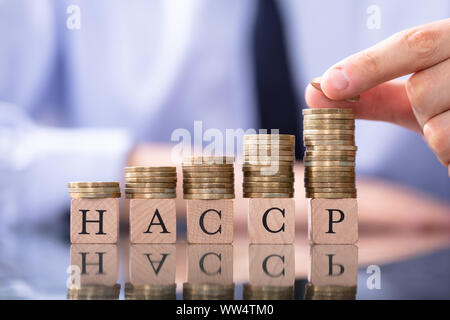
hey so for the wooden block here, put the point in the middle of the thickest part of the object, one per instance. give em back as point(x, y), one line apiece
point(210, 221)
point(94, 220)
point(97, 264)
point(333, 265)
point(271, 265)
point(271, 221)
point(153, 221)
point(333, 221)
point(152, 264)
point(211, 264)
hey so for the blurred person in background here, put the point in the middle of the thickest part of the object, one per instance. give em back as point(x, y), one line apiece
point(87, 87)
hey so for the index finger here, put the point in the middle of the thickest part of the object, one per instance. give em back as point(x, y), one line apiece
point(403, 53)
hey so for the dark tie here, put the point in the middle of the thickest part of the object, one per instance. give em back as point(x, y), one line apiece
point(278, 105)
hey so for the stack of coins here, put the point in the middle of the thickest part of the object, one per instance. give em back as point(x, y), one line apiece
point(208, 178)
point(94, 292)
point(94, 190)
point(150, 292)
point(329, 292)
point(252, 292)
point(269, 166)
point(329, 137)
point(150, 182)
point(208, 291)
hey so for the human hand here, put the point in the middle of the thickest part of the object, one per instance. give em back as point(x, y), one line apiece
point(422, 103)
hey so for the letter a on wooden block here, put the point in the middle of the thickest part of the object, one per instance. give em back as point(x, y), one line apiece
point(210, 264)
point(152, 264)
point(95, 264)
point(333, 265)
point(271, 220)
point(94, 220)
point(333, 221)
point(210, 221)
point(153, 221)
point(271, 265)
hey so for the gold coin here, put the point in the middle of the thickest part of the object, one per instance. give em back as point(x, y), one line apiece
point(150, 169)
point(268, 190)
point(150, 190)
point(208, 196)
point(151, 195)
point(331, 131)
point(308, 180)
point(256, 153)
point(267, 184)
point(324, 195)
point(329, 163)
point(214, 174)
point(77, 195)
point(332, 148)
point(208, 160)
point(315, 82)
point(330, 185)
point(259, 168)
point(151, 185)
point(321, 169)
point(269, 179)
point(142, 174)
point(92, 184)
point(313, 143)
point(151, 179)
point(208, 191)
point(330, 153)
point(329, 127)
point(328, 158)
point(191, 169)
point(326, 110)
point(258, 174)
point(268, 147)
point(329, 174)
point(330, 190)
point(269, 136)
point(267, 195)
point(208, 185)
point(313, 137)
point(326, 122)
point(326, 116)
point(95, 190)
point(208, 180)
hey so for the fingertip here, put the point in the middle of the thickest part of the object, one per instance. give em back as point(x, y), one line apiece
point(316, 99)
point(335, 82)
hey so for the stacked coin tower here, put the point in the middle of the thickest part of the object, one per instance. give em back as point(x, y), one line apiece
point(208, 178)
point(94, 292)
point(330, 292)
point(269, 166)
point(150, 292)
point(252, 292)
point(150, 182)
point(329, 137)
point(94, 190)
point(208, 291)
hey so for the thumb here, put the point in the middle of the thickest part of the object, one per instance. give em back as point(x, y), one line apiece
point(385, 102)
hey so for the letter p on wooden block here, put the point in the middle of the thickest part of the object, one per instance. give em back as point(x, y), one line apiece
point(271, 221)
point(333, 221)
point(94, 220)
point(210, 221)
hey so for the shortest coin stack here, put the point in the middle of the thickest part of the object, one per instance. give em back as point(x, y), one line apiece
point(329, 137)
point(269, 166)
point(150, 182)
point(208, 178)
point(94, 190)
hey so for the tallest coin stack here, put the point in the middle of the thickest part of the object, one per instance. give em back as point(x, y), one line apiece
point(329, 137)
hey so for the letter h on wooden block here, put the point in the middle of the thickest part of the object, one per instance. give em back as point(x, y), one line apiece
point(210, 221)
point(271, 221)
point(153, 221)
point(333, 221)
point(94, 220)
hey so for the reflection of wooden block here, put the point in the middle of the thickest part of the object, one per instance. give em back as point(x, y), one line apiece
point(210, 264)
point(271, 265)
point(333, 221)
point(210, 221)
point(152, 264)
point(333, 265)
point(153, 221)
point(271, 220)
point(94, 220)
point(97, 263)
